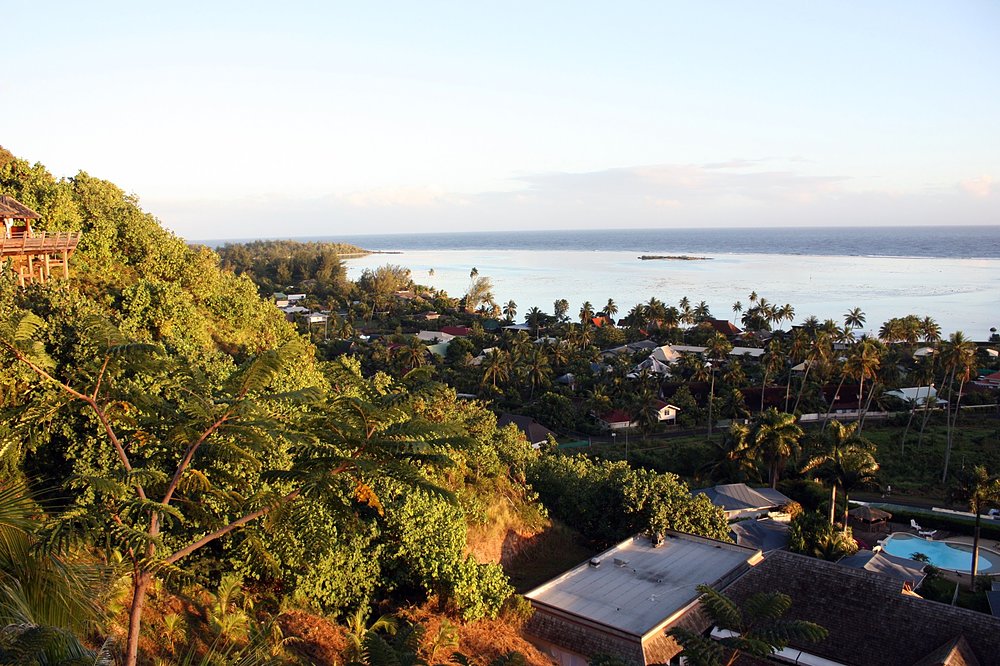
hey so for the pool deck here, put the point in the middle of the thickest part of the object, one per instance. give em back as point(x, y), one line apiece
point(871, 538)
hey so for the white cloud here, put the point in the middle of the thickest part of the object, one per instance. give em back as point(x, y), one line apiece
point(740, 194)
point(981, 186)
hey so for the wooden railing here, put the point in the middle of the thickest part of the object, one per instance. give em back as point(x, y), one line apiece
point(40, 243)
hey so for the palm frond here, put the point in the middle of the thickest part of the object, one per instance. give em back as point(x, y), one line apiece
point(765, 607)
point(721, 609)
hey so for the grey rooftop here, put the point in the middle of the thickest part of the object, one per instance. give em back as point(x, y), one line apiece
point(637, 587)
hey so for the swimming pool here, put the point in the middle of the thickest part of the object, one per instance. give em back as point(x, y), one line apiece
point(942, 554)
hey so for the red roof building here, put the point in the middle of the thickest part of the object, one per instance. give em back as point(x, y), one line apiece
point(457, 331)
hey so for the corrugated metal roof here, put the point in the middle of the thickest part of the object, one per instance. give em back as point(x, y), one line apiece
point(739, 496)
point(646, 586)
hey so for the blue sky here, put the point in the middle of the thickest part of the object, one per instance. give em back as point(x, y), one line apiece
point(236, 119)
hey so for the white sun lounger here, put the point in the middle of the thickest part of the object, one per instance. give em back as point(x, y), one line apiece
point(921, 531)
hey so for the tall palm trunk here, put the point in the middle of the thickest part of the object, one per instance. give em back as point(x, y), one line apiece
point(975, 551)
point(833, 502)
point(909, 421)
point(927, 409)
point(947, 423)
point(763, 387)
point(847, 505)
point(798, 397)
point(829, 407)
point(951, 427)
point(868, 404)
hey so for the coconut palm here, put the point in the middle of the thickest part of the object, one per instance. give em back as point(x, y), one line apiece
point(958, 355)
point(733, 458)
point(787, 312)
point(497, 368)
point(610, 310)
point(701, 311)
point(929, 330)
point(756, 629)
point(510, 310)
point(854, 318)
point(535, 317)
point(775, 437)
point(411, 354)
point(770, 361)
point(862, 362)
point(537, 369)
point(737, 308)
point(586, 313)
point(837, 450)
point(979, 490)
point(923, 373)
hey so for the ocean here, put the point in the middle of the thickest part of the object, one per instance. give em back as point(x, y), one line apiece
point(949, 273)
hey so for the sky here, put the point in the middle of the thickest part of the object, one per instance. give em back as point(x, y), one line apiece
point(263, 119)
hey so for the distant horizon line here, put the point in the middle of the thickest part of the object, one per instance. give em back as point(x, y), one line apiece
point(243, 239)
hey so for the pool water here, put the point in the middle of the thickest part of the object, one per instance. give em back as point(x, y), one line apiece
point(942, 554)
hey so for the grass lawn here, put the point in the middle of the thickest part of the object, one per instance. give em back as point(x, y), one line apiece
point(914, 473)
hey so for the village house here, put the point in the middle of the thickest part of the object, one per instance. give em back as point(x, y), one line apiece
point(533, 431)
point(739, 500)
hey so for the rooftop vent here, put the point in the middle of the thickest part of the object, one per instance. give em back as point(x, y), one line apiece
point(594, 562)
point(620, 562)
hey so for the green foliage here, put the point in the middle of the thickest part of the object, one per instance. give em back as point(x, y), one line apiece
point(757, 628)
point(608, 501)
point(811, 533)
point(273, 265)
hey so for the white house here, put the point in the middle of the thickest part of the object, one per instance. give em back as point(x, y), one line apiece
point(665, 412)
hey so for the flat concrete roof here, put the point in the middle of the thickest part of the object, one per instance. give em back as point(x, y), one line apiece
point(647, 586)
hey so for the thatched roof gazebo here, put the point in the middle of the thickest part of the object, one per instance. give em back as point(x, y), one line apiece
point(870, 517)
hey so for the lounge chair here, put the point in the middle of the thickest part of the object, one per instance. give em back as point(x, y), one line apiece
point(921, 531)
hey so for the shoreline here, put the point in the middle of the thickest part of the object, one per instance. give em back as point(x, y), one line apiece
point(958, 293)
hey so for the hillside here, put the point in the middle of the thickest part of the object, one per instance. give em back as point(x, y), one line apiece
point(290, 494)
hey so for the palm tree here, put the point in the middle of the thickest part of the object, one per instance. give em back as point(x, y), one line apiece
point(854, 318)
point(48, 594)
point(979, 490)
point(701, 311)
point(411, 354)
point(838, 449)
point(537, 369)
point(924, 374)
point(358, 630)
point(929, 330)
point(770, 361)
point(535, 317)
point(756, 629)
point(865, 365)
point(862, 362)
point(498, 366)
point(559, 309)
point(775, 437)
point(586, 313)
point(737, 308)
point(733, 458)
point(958, 356)
point(510, 310)
point(787, 312)
point(610, 310)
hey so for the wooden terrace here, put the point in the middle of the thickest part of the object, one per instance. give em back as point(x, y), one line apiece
point(32, 255)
